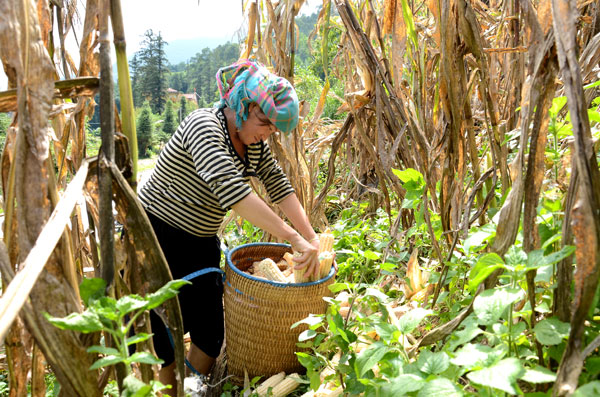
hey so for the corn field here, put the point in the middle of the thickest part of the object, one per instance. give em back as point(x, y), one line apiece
point(459, 90)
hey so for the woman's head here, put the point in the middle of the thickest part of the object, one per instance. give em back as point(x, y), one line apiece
point(246, 82)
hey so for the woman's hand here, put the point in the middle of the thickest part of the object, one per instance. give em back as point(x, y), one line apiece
point(309, 257)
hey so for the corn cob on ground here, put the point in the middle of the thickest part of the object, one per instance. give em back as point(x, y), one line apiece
point(286, 386)
point(271, 382)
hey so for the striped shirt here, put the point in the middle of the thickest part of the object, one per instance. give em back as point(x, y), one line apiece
point(199, 175)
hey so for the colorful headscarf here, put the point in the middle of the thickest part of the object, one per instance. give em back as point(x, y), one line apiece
point(247, 81)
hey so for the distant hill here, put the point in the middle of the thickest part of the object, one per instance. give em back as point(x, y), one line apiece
point(182, 50)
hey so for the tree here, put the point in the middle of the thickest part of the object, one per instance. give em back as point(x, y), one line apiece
point(134, 67)
point(154, 70)
point(144, 130)
point(182, 108)
point(169, 125)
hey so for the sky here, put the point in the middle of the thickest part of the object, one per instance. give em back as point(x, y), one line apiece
point(181, 19)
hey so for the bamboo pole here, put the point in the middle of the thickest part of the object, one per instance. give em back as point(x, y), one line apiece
point(127, 109)
point(107, 151)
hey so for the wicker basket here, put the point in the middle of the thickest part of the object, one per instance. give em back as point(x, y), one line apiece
point(259, 314)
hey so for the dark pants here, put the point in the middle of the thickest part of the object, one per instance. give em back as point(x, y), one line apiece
point(202, 302)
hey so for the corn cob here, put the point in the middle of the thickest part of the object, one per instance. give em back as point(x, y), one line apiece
point(299, 276)
point(288, 257)
point(286, 386)
point(326, 260)
point(271, 382)
point(326, 241)
point(271, 271)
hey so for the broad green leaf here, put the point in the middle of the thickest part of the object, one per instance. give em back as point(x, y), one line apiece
point(408, 322)
point(471, 355)
point(538, 375)
point(106, 308)
point(130, 303)
point(411, 178)
point(164, 293)
point(555, 257)
point(135, 387)
point(369, 357)
point(515, 256)
point(535, 259)
point(85, 322)
point(440, 387)
point(337, 287)
point(106, 361)
point(372, 255)
point(402, 384)
point(470, 331)
point(483, 268)
point(306, 335)
point(145, 358)
point(491, 304)
point(551, 331)
point(91, 289)
point(502, 376)
point(588, 390)
point(544, 274)
point(137, 338)
point(433, 363)
point(103, 350)
point(476, 240)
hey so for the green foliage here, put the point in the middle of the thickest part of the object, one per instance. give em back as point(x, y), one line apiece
point(149, 71)
point(5, 120)
point(144, 129)
point(169, 123)
point(116, 318)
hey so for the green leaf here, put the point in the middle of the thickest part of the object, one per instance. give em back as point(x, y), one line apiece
point(491, 304)
point(306, 335)
point(433, 363)
point(130, 303)
point(538, 375)
point(85, 322)
point(103, 350)
point(337, 287)
point(440, 387)
point(471, 355)
point(470, 331)
point(106, 361)
point(587, 390)
point(502, 376)
point(411, 178)
point(369, 357)
point(164, 293)
point(475, 240)
point(145, 358)
point(402, 384)
point(133, 387)
point(92, 289)
point(137, 338)
point(483, 268)
point(551, 331)
point(408, 322)
point(555, 257)
point(372, 255)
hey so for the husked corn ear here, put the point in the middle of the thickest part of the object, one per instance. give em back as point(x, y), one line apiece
point(288, 257)
point(286, 386)
point(299, 276)
point(326, 241)
point(272, 381)
point(271, 271)
point(325, 260)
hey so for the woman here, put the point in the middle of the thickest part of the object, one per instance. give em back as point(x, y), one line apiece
point(201, 173)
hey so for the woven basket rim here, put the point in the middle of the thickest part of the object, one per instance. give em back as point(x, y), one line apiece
point(274, 283)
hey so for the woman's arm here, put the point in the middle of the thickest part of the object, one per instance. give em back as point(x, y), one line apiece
point(256, 211)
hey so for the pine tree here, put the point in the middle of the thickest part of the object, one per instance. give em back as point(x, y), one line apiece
point(182, 108)
point(169, 125)
point(134, 68)
point(154, 70)
point(144, 131)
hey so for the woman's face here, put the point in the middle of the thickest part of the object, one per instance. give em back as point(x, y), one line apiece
point(257, 127)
